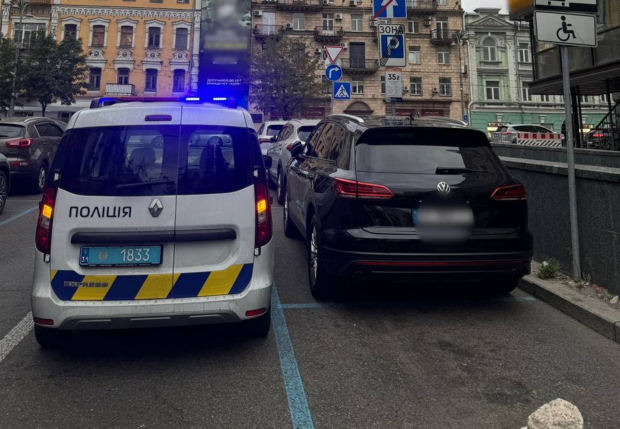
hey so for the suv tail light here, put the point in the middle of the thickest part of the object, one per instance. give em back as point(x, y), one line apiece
point(264, 230)
point(19, 143)
point(353, 189)
point(510, 193)
point(43, 237)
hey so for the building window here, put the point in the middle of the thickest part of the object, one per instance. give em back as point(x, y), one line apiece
point(443, 57)
point(181, 39)
point(416, 85)
point(442, 2)
point(157, 1)
point(26, 34)
point(123, 76)
point(525, 92)
point(489, 50)
point(183, 1)
point(492, 89)
point(357, 85)
point(357, 22)
point(445, 86)
point(154, 37)
point(70, 31)
point(524, 53)
point(126, 36)
point(98, 35)
point(414, 26)
point(547, 99)
point(94, 80)
point(382, 84)
point(328, 21)
point(299, 22)
point(179, 81)
point(415, 56)
point(151, 80)
point(442, 28)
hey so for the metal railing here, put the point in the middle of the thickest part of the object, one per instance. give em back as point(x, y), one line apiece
point(298, 4)
point(443, 37)
point(360, 64)
point(606, 135)
point(267, 30)
point(119, 89)
point(421, 5)
point(328, 33)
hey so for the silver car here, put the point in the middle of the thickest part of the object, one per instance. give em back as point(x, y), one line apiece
point(294, 131)
point(267, 132)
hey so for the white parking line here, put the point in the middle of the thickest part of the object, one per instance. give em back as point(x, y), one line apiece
point(17, 334)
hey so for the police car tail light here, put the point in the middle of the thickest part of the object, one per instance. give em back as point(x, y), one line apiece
point(352, 189)
point(263, 214)
point(43, 238)
point(510, 193)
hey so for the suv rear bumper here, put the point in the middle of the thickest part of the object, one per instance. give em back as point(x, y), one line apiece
point(85, 315)
point(427, 267)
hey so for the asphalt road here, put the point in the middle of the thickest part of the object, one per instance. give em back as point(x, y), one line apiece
point(379, 357)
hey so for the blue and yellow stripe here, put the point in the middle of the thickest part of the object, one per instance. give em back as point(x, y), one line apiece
point(71, 286)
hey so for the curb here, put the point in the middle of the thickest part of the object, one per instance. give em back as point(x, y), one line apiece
point(591, 312)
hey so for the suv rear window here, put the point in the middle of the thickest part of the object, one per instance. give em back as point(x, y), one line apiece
point(10, 131)
point(304, 132)
point(423, 150)
point(149, 161)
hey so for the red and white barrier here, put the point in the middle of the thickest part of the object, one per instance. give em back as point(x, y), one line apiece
point(540, 139)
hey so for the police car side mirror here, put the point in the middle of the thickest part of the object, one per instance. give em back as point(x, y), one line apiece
point(268, 161)
point(296, 150)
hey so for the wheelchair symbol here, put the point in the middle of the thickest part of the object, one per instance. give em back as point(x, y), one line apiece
point(565, 32)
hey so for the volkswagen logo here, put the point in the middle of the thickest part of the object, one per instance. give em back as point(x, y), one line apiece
point(156, 207)
point(443, 188)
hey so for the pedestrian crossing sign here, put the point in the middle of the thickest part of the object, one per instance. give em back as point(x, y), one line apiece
point(342, 91)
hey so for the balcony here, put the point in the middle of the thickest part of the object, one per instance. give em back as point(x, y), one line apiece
point(263, 32)
point(333, 35)
point(443, 37)
point(359, 66)
point(119, 89)
point(300, 5)
point(421, 7)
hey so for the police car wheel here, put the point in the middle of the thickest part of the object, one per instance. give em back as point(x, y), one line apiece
point(259, 327)
point(50, 337)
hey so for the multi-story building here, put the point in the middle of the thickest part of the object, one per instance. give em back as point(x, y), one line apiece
point(501, 70)
point(133, 47)
point(431, 78)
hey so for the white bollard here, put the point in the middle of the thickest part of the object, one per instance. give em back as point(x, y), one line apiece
point(557, 414)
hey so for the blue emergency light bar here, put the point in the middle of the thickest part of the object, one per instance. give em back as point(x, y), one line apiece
point(109, 101)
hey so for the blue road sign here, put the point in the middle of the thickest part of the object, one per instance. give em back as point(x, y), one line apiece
point(342, 91)
point(333, 72)
point(389, 8)
point(392, 45)
point(466, 119)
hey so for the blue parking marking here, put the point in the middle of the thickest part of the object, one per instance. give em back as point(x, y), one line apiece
point(294, 386)
point(17, 216)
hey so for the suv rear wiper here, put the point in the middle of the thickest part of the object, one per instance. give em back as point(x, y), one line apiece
point(458, 170)
point(137, 185)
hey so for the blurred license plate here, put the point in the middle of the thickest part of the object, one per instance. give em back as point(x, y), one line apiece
point(442, 217)
point(120, 256)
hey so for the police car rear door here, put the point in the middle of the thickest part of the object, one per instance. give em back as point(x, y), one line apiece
point(114, 212)
point(215, 223)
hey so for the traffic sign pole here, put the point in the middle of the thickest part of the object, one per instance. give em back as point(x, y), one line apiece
point(570, 156)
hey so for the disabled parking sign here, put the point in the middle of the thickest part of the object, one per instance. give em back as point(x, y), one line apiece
point(342, 91)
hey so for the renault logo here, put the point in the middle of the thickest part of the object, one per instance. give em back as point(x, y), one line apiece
point(156, 207)
point(443, 187)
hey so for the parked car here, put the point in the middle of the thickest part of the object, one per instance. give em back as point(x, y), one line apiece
point(599, 139)
point(296, 130)
point(5, 181)
point(267, 132)
point(508, 133)
point(425, 200)
point(30, 145)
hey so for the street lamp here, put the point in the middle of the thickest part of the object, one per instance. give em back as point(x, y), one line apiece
point(21, 6)
point(457, 40)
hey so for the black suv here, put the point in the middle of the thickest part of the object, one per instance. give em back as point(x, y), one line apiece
point(406, 200)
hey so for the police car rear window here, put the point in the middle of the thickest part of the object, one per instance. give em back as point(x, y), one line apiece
point(155, 160)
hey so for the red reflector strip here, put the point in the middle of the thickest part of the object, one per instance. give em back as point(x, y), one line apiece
point(46, 322)
point(438, 263)
point(257, 312)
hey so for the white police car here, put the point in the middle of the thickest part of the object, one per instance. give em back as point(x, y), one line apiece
point(154, 214)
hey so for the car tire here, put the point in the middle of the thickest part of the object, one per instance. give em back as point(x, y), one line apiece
point(290, 230)
point(258, 327)
point(280, 186)
point(51, 338)
point(39, 180)
point(4, 189)
point(323, 285)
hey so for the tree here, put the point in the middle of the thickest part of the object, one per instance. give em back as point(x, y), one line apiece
point(7, 62)
point(284, 77)
point(54, 72)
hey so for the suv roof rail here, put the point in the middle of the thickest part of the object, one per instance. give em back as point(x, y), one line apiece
point(344, 115)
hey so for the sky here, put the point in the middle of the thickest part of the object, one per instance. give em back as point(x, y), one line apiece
point(470, 5)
